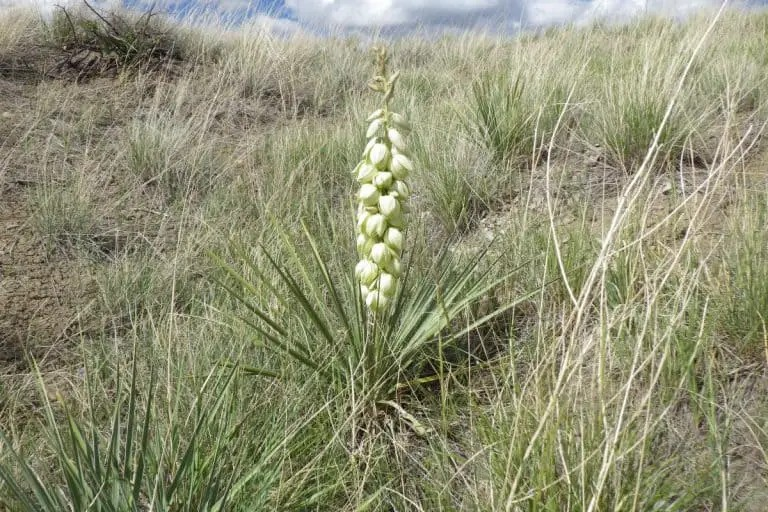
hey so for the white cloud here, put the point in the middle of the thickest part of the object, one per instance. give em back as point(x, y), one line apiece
point(47, 6)
point(443, 14)
point(394, 12)
point(389, 13)
point(626, 9)
point(227, 12)
point(548, 12)
point(277, 25)
point(41, 5)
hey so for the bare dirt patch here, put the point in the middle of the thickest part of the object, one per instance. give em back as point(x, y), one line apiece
point(42, 293)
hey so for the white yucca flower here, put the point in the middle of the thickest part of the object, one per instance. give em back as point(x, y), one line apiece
point(381, 202)
point(368, 148)
point(388, 205)
point(369, 194)
point(379, 154)
point(400, 122)
point(375, 115)
point(366, 173)
point(401, 188)
point(376, 300)
point(373, 128)
point(383, 180)
point(394, 239)
point(374, 226)
point(387, 284)
point(397, 139)
point(401, 166)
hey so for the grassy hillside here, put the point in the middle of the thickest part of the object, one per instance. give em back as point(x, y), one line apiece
point(172, 339)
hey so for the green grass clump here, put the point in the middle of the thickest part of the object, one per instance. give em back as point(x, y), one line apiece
point(65, 214)
point(158, 155)
point(745, 291)
point(509, 122)
point(577, 322)
point(629, 133)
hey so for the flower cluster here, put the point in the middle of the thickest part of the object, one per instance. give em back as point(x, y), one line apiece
point(381, 210)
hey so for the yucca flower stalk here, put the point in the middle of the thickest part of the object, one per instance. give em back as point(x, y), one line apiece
point(383, 195)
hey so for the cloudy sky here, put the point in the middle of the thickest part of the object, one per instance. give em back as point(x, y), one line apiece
point(359, 14)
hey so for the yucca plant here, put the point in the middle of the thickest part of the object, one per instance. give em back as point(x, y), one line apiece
point(379, 327)
point(134, 465)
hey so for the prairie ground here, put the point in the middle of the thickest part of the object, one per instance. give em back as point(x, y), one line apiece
point(613, 178)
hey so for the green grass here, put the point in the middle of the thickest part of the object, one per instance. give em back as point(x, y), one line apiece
point(510, 121)
point(65, 214)
point(199, 374)
point(745, 277)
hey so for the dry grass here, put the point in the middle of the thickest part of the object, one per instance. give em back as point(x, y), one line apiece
point(630, 192)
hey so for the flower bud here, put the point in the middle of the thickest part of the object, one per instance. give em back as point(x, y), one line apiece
point(393, 237)
point(381, 254)
point(366, 172)
point(360, 267)
point(375, 225)
point(364, 291)
point(396, 219)
point(373, 128)
point(394, 267)
point(376, 301)
point(370, 145)
point(401, 188)
point(375, 114)
point(401, 166)
point(362, 217)
point(397, 139)
point(383, 179)
point(379, 155)
point(369, 194)
point(400, 122)
point(364, 244)
point(387, 284)
point(367, 272)
point(388, 205)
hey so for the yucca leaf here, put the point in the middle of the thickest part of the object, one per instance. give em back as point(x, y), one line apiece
point(129, 428)
point(240, 298)
point(299, 356)
point(252, 370)
point(138, 473)
point(309, 308)
point(336, 299)
point(192, 444)
point(45, 502)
